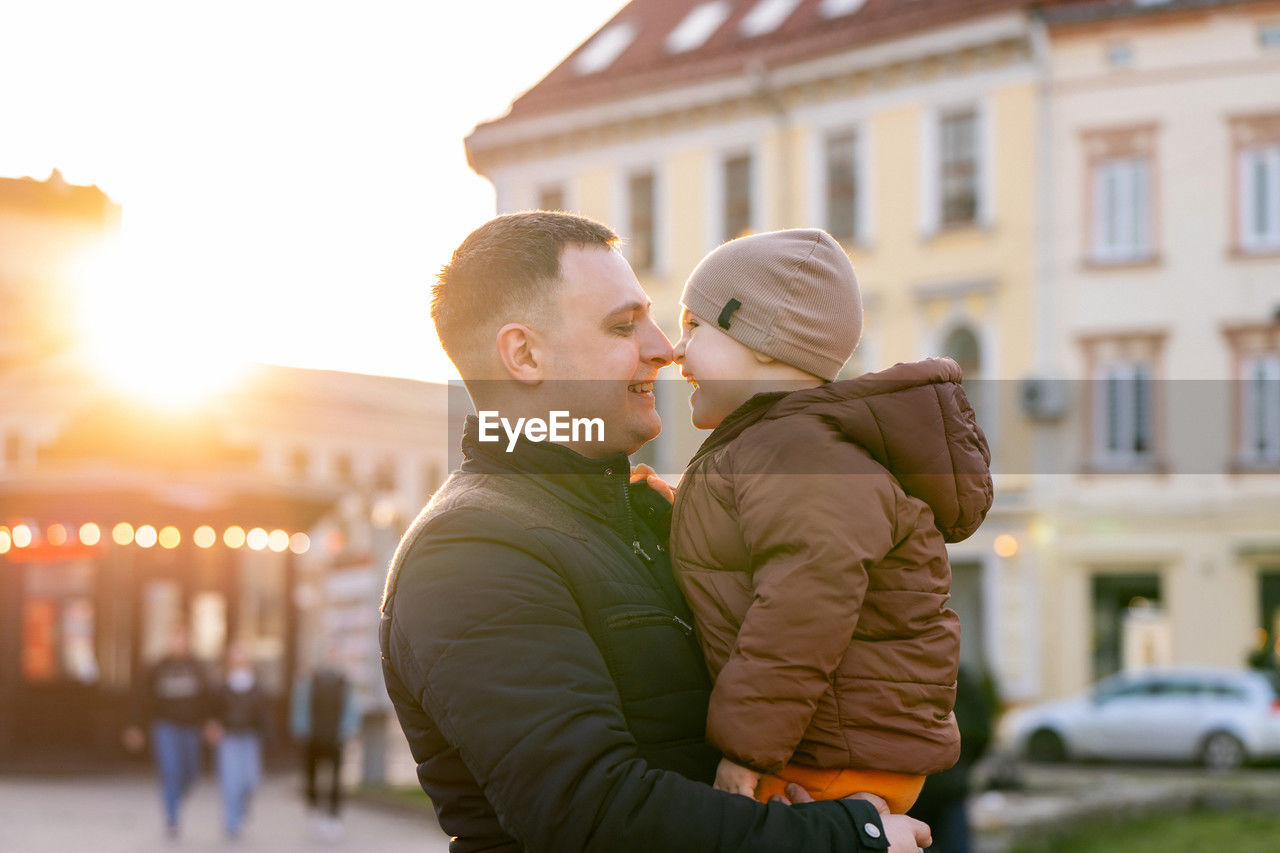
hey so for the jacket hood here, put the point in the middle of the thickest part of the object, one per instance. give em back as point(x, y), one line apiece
point(915, 420)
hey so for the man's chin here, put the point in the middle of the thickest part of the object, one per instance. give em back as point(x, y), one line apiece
point(645, 433)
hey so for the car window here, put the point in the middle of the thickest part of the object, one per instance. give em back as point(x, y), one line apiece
point(1180, 689)
point(1133, 690)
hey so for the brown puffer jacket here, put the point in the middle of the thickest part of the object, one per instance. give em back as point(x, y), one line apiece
point(808, 536)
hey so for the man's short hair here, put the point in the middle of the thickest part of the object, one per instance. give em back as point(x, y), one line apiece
point(506, 270)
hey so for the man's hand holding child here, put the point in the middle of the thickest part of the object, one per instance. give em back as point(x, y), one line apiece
point(736, 779)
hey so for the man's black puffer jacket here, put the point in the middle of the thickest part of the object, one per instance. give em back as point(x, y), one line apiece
point(542, 665)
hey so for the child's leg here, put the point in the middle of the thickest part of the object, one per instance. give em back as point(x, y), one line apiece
point(899, 790)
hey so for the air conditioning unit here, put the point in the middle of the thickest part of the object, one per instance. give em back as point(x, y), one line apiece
point(1044, 400)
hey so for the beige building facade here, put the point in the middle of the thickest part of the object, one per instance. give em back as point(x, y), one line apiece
point(1161, 495)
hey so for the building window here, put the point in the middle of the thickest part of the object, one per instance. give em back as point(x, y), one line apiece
point(737, 197)
point(841, 159)
point(606, 47)
point(1121, 196)
point(1256, 402)
point(1260, 410)
point(959, 167)
point(1125, 407)
point(1121, 213)
point(1123, 403)
point(1256, 140)
point(551, 197)
point(697, 26)
point(641, 224)
point(963, 347)
point(766, 16)
point(1269, 35)
point(836, 8)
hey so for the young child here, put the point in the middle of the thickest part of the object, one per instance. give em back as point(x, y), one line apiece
point(809, 531)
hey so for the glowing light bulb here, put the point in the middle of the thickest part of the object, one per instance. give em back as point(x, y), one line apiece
point(205, 536)
point(145, 536)
point(299, 543)
point(170, 538)
point(90, 534)
point(122, 533)
point(234, 536)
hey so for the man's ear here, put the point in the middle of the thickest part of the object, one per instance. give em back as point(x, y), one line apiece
point(520, 351)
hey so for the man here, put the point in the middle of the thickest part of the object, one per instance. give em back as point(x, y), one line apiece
point(174, 701)
point(536, 649)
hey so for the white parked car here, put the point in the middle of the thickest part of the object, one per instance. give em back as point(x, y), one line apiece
point(1219, 717)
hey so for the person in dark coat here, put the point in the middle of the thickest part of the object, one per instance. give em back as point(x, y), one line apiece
point(173, 703)
point(323, 716)
point(537, 651)
point(243, 713)
point(943, 803)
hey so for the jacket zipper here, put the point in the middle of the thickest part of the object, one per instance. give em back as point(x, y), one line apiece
point(625, 619)
point(631, 522)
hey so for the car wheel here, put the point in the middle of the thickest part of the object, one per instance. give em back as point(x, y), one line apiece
point(1222, 751)
point(1046, 745)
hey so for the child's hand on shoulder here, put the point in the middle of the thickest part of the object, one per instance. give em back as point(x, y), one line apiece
point(659, 485)
point(736, 779)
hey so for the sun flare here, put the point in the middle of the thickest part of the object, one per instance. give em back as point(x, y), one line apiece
point(152, 336)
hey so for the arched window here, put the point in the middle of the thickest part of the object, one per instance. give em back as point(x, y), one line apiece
point(962, 346)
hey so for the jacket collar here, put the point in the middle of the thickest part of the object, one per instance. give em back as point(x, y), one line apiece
point(594, 486)
point(750, 412)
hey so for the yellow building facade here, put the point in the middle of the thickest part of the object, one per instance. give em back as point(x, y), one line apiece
point(920, 150)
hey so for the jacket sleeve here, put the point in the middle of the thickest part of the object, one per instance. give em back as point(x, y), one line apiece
point(812, 539)
point(488, 638)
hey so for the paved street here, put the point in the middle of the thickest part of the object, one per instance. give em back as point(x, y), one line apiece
point(113, 814)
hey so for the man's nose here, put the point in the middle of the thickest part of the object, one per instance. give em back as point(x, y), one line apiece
point(656, 348)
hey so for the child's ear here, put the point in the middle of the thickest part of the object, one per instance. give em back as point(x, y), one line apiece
point(762, 358)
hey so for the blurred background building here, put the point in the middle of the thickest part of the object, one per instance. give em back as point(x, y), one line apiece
point(265, 513)
point(1078, 201)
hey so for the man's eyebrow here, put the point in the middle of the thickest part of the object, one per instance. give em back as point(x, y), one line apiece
point(634, 305)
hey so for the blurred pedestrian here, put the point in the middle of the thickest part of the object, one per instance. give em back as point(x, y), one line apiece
point(943, 804)
point(173, 701)
point(324, 715)
point(243, 716)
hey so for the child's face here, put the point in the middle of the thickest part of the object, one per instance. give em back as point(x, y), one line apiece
point(721, 370)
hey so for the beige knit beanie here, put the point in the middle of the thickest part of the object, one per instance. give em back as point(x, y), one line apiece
point(791, 295)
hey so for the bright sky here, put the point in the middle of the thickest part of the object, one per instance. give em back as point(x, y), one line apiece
point(292, 173)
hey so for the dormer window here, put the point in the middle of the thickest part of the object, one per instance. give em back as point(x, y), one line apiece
point(836, 8)
point(766, 16)
point(605, 48)
point(698, 26)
